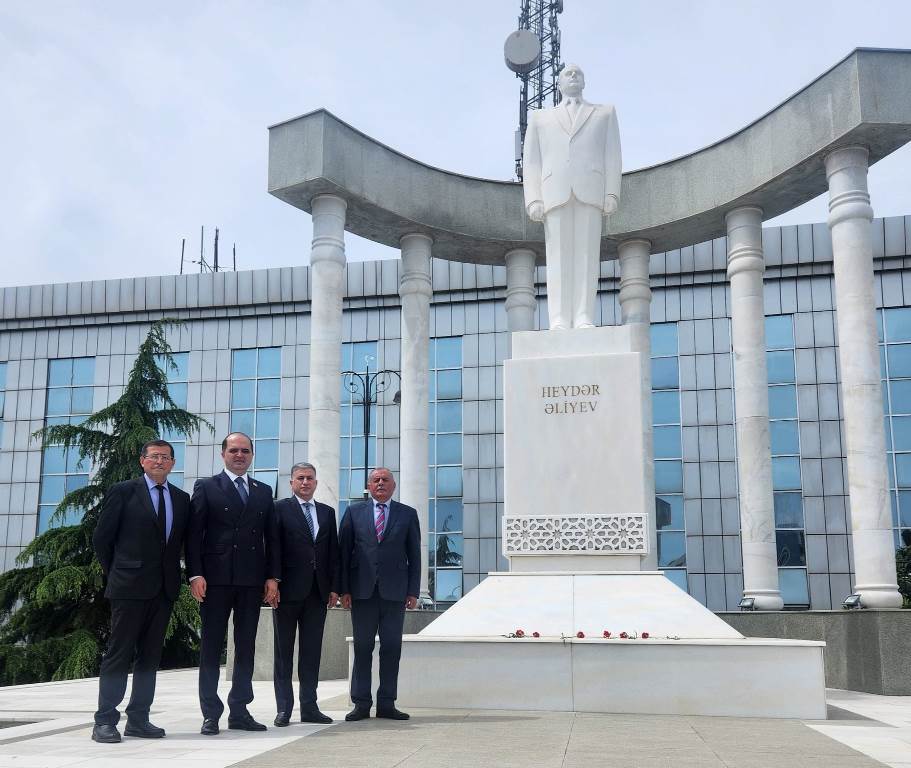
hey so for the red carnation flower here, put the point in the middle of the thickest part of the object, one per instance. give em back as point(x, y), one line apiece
point(645, 635)
point(520, 633)
point(624, 635)
point(535, 634)
point(607, 633)
point(580, 634)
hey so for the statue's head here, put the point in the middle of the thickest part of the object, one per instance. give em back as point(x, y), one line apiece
point(571, 81)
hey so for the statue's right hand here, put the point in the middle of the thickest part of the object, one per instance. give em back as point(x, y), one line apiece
point(198, 588)
point(536, 211)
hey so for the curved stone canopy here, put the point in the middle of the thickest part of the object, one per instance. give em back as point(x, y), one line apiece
point(775, 163)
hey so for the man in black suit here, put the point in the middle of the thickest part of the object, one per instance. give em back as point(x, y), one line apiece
point(380, 575)
point(303, 555)
point(226, 562)
point(138, 541)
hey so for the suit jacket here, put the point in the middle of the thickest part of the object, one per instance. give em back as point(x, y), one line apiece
point(563, 158)
point(129, 542)
point(393, 564)
point(295, 558)
point(225, 540)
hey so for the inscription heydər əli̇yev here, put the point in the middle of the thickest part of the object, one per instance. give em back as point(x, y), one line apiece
point(568, 406)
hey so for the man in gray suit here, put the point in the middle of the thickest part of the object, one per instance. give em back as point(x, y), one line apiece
point(572, 172)
point(380, 575)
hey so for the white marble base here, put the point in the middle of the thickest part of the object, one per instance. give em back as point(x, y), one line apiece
point(731, 678)
point(692, 662)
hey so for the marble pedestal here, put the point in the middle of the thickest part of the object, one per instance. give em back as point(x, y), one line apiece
point(576, 529)
point(574, 452)
point(692, 663)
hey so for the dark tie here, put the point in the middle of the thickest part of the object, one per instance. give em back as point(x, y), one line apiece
point(242, 489)
point(309, 519)
point(161, 512)
point(380, 521)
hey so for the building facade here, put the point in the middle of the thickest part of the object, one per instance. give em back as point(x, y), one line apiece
point(243, 357)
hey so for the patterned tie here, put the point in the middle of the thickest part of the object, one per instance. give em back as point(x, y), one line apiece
point(161, 512)
point(380, 521)
point(309, 519)
point(242, 489)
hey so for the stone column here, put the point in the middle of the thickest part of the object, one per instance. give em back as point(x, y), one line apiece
point(415, 291)
point(751, 397)
point(327, 287)
point(850, 215)
point(635, 311)
point(520, 289)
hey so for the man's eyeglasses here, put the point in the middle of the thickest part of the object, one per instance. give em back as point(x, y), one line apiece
point(158, 457)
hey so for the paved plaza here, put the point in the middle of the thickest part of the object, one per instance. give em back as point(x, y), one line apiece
point(863, 731)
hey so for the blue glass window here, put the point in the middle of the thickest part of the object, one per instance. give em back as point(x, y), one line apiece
point(788, 510)
point(779, 332)
point(900, 396)
point(449, 385)
point(664, 339)
point(666, 407)
point(69, 400)
point(898, 324)
point(793, 585)
point(781, 367)
point(899, 360)
point(783, 402)
point(255, 399)
point(785, 473)
point(446, 515)
point(785, 436)
point(671, 549)
point(667, 442)
point(678, 577)
point(669, 512)
point(668, 477)
point(664, 373)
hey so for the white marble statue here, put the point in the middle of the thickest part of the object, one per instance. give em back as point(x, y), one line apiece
point(572, 179)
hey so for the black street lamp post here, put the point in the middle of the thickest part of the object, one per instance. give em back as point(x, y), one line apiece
point(368, 386)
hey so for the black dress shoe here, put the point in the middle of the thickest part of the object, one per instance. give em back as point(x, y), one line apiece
point(143, 730)
point(358, 713)
point(106, 734)
point(282, 719)
point(245, 722)
point(209, 727)
point(313, 715)
point(391, 713)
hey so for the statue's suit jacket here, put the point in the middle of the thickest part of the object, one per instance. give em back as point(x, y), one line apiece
point(394, 564)
point(130, 545)
point(564, 158)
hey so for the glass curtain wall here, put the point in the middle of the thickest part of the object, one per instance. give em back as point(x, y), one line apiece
point(671, 528)
point(255, 402)
point(445, 543)
point(177, 388)
point(790, 534)
point(895, 367)
point(70, 393)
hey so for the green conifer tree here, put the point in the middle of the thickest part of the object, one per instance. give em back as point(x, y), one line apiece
point(54, 619)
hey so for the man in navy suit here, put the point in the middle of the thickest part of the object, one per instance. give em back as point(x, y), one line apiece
point(380, 575)
point(303, 555)
point(226, 563)
point(138, 541)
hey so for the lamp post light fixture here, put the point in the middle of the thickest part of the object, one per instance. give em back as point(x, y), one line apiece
point(368, 387)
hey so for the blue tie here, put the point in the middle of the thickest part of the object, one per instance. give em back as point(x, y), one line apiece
point(242, 489)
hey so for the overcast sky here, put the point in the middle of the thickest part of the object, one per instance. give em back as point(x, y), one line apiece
point(126, 126)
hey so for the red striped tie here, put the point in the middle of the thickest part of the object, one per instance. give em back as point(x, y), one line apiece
point(380, 521)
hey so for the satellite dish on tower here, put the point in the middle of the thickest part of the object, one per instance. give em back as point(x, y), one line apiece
point(522, 51)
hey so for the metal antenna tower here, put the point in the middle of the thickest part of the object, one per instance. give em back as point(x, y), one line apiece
point(533, 53)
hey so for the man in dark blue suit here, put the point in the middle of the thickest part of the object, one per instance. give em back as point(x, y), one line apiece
point(380, 545)
point(303, 555)
point(226, 563)
point(138, 541)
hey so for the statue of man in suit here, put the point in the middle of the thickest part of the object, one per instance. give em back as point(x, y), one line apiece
point(572, 173)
